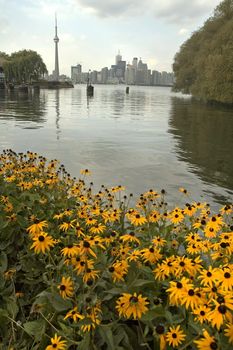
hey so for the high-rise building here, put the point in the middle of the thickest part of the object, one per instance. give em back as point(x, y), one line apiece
point(104, 75)
point(130, 74)
point(76, 74)
point(118, 57)
point(135, 63)
point(56, 40)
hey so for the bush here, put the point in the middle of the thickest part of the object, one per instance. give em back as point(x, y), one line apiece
point(84, 270)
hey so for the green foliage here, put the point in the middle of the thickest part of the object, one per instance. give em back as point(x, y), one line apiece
point(23, 66)
point(149, 253)
point(203, 66)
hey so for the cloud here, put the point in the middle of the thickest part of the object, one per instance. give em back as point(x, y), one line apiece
point(175, 11)
point(112, 8)
point(183, 31)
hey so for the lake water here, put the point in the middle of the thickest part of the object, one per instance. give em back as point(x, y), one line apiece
point(150, 138)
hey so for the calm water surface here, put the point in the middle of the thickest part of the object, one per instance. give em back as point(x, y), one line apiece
point(151, 138)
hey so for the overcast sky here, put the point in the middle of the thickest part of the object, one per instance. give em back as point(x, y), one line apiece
point(92, 31)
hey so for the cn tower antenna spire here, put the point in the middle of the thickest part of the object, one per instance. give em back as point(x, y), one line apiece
point(56, 40)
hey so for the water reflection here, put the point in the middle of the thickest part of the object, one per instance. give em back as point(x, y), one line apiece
point(57, 109)
point(23, 107)
point(204, 139)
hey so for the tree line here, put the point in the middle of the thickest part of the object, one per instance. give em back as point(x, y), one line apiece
point(204, 65)
point(23, 66)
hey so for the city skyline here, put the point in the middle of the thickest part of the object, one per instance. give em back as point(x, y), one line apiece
point(135, 73)
point(91, 33)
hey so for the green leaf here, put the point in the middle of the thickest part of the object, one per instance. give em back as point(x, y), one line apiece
point(3, 262)
point(107, 336)
point(58, 303)
point(35, 328)
point(154, 313)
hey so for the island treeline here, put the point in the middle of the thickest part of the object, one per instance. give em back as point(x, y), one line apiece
point(23, 66)
point(204, 65)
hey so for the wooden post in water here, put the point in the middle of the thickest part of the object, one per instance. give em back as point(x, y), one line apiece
point(127, 89)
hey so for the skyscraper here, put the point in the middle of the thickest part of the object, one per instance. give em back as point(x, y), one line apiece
point(56, 40)
point(118, 57)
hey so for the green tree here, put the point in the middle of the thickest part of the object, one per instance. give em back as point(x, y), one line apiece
point(24, 66)
point(203, 66)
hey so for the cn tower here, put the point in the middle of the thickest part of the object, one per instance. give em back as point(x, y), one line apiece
point(56, 40)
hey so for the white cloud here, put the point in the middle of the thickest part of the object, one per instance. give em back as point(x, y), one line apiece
point(183, 31)
point(176, 11)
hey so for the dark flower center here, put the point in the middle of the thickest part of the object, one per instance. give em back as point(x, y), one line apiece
point(227, 275)
point(137, 216)
point(179, 285)
point(202, 313)
point(151, 250)
point(222, 309)
point(213, 346)
point(160, 329)
point(41, 238)
point(86, 244)
point(209, 274)
point(133, 299)
point(62, 287)
point(174, 335)
point(220, 300)
point(191, 292)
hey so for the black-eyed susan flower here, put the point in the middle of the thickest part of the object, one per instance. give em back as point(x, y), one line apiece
point(70, 251)
point(67, 225)
point(74, 315)
point(207, 342)
point(132, 305)
point(201, 313)
point(209, 277)
point(137, 219)
point(119, 270)
point(226, 278)
point(56, 343)
point(220, 315)
point(66, 287)
point(229, 332)
point(37, 227)
point(151, 255)
point(175, 336)
point(42, 242)
point(177, 289)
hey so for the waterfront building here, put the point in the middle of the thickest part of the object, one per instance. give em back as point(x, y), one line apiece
point(93, 77)
point(130, 74)
point(56, 40)
point(142, 73)
point(118, 57)
point(104, 75)
point(135, 63)
point(76, 74)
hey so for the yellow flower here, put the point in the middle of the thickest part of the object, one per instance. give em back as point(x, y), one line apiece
point(175, 336)
point(132, 305)
point(37, 227)
point(42, 242)
point(57, 343)
point(207, 342)
point(66, 288)
point(137, 219)
point(229, 332)
point(74, 315)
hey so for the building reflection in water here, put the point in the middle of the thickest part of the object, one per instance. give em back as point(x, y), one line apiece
point(57, 109)
point(204, 139)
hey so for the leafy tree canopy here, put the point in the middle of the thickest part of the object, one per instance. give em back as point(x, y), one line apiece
point(23, 66)
point(204, 65)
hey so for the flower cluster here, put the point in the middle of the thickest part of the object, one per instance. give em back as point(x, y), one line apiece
point(81, 267)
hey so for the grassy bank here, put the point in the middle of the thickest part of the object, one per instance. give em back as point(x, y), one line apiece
point(84, 270)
